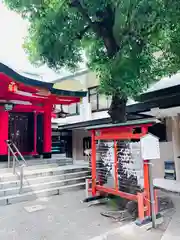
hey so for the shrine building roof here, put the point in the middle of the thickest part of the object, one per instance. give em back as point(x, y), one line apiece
point(135, 123)
point(32, 88)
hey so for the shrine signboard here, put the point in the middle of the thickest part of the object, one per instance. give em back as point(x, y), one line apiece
point(150, 147)
point(8, 107)
point(150, 150)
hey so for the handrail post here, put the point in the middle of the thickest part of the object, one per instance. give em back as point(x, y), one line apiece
point(87, 188)
point(10, 146)
point(21, 156)
point(9, 157)
point(14, 164)
point(21, 177)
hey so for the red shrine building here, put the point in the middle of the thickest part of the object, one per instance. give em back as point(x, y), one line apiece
point(26, 108)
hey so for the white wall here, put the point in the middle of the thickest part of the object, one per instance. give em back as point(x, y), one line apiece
point(166, 153)
point(91, 80)
point(176, 144)
point(169, 129)
point(173, 135)
point(87, 80)
point(77, 139)
point(85, 115)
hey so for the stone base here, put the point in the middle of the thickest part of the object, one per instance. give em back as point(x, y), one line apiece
point(4, 158)
point(37, 156)
point(47, 155)
point(148, 220)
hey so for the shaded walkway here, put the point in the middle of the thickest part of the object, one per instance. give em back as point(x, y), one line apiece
point(172, 188)
point(172, 232)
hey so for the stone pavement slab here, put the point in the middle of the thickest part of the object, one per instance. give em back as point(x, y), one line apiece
point(168, 185)
point(65, 217)
point(61, 217)
point(131, 232)
point(173, 230)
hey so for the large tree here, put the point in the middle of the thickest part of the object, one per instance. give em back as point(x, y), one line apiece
point(129, 43)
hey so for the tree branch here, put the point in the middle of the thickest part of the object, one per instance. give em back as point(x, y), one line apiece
point(77, 4)
point(82, 32)
point(103, 29)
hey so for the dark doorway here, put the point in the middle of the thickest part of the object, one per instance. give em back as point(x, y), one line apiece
point(86, 144)
point(68, 146)
point(66, 139)
point(21, 131)
point(40, 135)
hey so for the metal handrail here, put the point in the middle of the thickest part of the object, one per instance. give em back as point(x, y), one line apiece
point(17, 150)
point(15, 159)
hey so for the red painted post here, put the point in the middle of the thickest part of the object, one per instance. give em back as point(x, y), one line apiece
point(144, 130)
point(146, 180)
point(47, 131)
point(140, 199)
point(4, 123)
point(156, 201)
point(116, 166)
point(93, 163)
point(146, 187)
point(35, 132)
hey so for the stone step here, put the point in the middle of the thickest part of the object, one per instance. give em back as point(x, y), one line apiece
point(41, 162)
point(34, 167)
point(39, 194)
point(41, 186)
point(28, 173)
point(43, 179)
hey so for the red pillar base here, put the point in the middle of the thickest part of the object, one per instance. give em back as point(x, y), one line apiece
point(4, 158)
point(4, 122)
point(47, 155)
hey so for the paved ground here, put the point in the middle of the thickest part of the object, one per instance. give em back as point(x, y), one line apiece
point(131, 232)
point(65, 217)
point(62, 217)
point(172, 232)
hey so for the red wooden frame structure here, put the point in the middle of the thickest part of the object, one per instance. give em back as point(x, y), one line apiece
point(116, 132)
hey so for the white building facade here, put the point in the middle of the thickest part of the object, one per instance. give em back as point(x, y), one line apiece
point(94, 108)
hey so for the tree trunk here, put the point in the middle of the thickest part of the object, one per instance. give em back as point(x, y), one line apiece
point(117, 110)
point(127, 182)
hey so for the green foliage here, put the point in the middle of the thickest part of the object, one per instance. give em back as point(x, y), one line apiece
point(129, 43)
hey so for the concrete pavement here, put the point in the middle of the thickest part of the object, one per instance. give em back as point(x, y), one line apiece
point(131, 232)
point(59, 217)
point(172, 232)
point(64, 217)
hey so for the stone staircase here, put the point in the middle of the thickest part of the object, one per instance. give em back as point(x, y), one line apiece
point(41, 181)
point(55, 161)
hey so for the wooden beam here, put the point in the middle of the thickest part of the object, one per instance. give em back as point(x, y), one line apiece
point(119, 136)
point(128, 196)
point(93, 163)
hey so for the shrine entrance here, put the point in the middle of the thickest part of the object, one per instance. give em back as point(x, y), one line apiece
point(21, 130)
point(26, 108)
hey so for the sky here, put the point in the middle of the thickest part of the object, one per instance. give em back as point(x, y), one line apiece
point(13, 31)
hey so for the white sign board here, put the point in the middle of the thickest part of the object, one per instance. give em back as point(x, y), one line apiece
point(150, 147)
